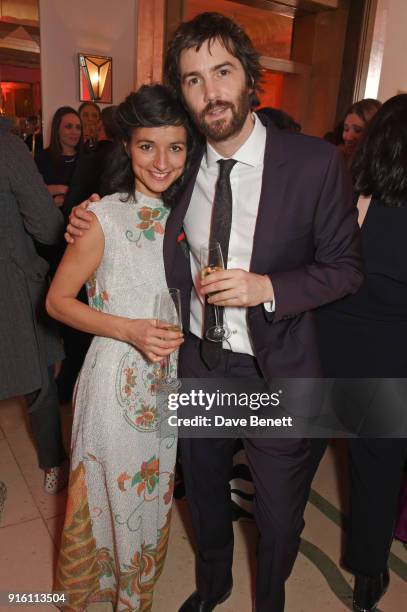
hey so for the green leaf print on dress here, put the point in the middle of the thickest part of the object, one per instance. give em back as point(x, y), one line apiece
point(96, 300)
point(150, 224)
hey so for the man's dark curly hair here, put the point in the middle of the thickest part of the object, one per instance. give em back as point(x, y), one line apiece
point(379, 167)
point(210, 27)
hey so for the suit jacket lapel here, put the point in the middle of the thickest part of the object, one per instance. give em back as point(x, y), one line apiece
point(176, 219)
point(274, 183)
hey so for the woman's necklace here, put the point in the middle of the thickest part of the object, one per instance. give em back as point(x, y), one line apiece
point(69, 161)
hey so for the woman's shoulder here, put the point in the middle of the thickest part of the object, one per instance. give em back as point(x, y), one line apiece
point(107, 201)
point(110, 207)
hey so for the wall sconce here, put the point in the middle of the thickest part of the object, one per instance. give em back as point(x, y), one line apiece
point(95, 78)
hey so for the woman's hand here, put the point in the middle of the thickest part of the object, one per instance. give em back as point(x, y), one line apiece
point(153, 341)
point(79, 219)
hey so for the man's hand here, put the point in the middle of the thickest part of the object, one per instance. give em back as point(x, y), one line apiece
point(79, 219)
point(57, 189)
point(237, 288)
point(152, 338)
point(58, 193)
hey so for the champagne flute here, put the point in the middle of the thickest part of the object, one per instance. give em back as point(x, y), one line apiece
point(212, 261)
point(169, 317)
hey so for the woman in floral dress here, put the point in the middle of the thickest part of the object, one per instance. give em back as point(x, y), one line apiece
point(122, 469)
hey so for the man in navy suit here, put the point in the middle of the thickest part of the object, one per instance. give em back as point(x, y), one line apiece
point(293, 245)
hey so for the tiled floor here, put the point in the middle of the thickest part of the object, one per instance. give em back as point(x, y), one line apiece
point(32, 523)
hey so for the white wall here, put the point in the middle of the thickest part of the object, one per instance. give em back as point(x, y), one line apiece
point(393, 76)
point(102, 27)
point(387, 73)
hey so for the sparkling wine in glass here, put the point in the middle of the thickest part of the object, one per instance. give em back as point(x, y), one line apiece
point(169, 317)
point(212, 261)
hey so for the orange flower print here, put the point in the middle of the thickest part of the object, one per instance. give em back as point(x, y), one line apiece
point(146, 213)
point(140, 565)
point(144, 225)
point(145, 417)
point(148, 476)
point(130, 376)
point(130, 381)
point(149, 224)
point(122, 480)
point(105, 562)
point(158, 228)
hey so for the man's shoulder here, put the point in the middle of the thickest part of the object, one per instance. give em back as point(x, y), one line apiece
point(303, 153)
point(307, 145)
point(12, 140)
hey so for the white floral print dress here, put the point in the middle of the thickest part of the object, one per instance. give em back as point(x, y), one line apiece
point(123, 453)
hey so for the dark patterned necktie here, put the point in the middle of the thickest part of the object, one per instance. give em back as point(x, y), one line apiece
point(220, 232)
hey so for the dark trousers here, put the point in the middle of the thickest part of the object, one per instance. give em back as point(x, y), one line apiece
point(278, 468)
point(376, 466)
point(45, 422)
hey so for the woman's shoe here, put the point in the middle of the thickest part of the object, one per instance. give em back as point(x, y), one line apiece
point(56, 478)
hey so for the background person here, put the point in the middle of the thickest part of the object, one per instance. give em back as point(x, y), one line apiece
point(89, 113)
point(108, 137)
point(29, 343)
point(58, 161)
point(69, 175)
point(364, 336)
point(356, 118)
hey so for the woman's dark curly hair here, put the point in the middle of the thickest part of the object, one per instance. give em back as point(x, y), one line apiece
point(150, 106)
point(380, 164)
point(210, 27)
point(55, 147)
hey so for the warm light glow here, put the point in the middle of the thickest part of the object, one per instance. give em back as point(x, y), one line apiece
point(94, 78)
point(96, 70)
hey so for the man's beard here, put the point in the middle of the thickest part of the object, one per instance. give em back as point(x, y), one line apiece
point(222, 129)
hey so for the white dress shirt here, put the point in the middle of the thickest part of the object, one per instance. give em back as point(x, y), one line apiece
point(246, 181)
